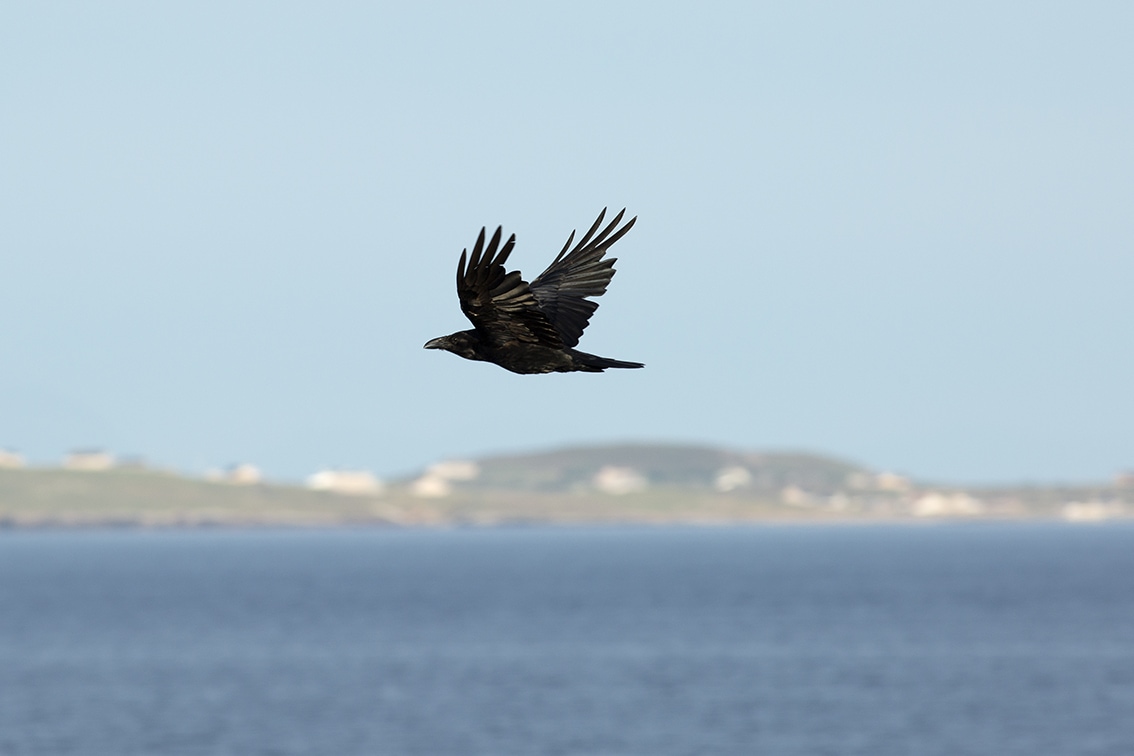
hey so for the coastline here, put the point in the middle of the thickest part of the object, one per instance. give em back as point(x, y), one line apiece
point(39, 498)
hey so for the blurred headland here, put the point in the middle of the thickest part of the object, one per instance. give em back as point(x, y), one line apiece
point(626, 483)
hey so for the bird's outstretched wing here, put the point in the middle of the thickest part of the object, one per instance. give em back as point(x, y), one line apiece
point(563, 288)
point(500, 304)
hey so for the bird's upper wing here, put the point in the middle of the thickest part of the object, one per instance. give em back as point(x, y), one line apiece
point(500, 304)
point(563, 288)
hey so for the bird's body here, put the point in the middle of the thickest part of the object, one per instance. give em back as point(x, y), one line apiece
point(533, 328)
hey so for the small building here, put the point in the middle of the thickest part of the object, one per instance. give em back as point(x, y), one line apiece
point(431, 486)
point(89, 460)
point(455, 469)
point(619, 480)
point(731, 478)
point(937, 504)
point(1091, 511)
point(888, 481)
point(439, 478)
point(346, 482)
point(242, 474)
point(12, 460)
point(796, 496)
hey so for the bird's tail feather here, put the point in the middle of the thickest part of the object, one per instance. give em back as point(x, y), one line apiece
point(594, 363)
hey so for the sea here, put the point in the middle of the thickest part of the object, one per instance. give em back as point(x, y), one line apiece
point(944, 639)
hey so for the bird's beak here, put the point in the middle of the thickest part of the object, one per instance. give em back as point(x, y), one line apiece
point(437, 343)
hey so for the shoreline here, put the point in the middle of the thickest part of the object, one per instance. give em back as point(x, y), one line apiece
point(11, 525)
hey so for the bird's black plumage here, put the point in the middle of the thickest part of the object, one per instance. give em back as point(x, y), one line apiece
point(534, 328)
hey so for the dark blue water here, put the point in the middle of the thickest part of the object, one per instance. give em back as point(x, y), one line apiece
point(819, 640)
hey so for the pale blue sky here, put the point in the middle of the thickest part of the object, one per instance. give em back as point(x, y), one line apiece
point(901, 233)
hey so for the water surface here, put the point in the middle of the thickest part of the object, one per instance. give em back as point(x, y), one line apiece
point(989, 639)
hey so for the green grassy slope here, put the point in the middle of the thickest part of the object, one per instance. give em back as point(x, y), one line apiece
point(31, 497)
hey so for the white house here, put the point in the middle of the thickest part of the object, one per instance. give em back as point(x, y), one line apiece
point(347, 482)
point(243, 474)
point(430, 486)
point(89, 460)
point(10, 460)
point(619, 480)
point(438, 479)
point(936, 504)
point(455, 469)
point(730, 478)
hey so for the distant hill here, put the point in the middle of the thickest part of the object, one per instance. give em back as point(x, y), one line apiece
point(662, 465)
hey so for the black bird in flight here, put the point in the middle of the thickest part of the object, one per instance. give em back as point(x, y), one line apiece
point(533, 328)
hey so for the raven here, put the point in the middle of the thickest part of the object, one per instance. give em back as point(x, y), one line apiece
point(533, 328)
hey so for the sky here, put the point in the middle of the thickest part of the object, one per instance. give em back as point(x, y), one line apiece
point(897, 233)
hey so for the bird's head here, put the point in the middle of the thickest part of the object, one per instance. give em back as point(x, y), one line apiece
point(461, 343)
